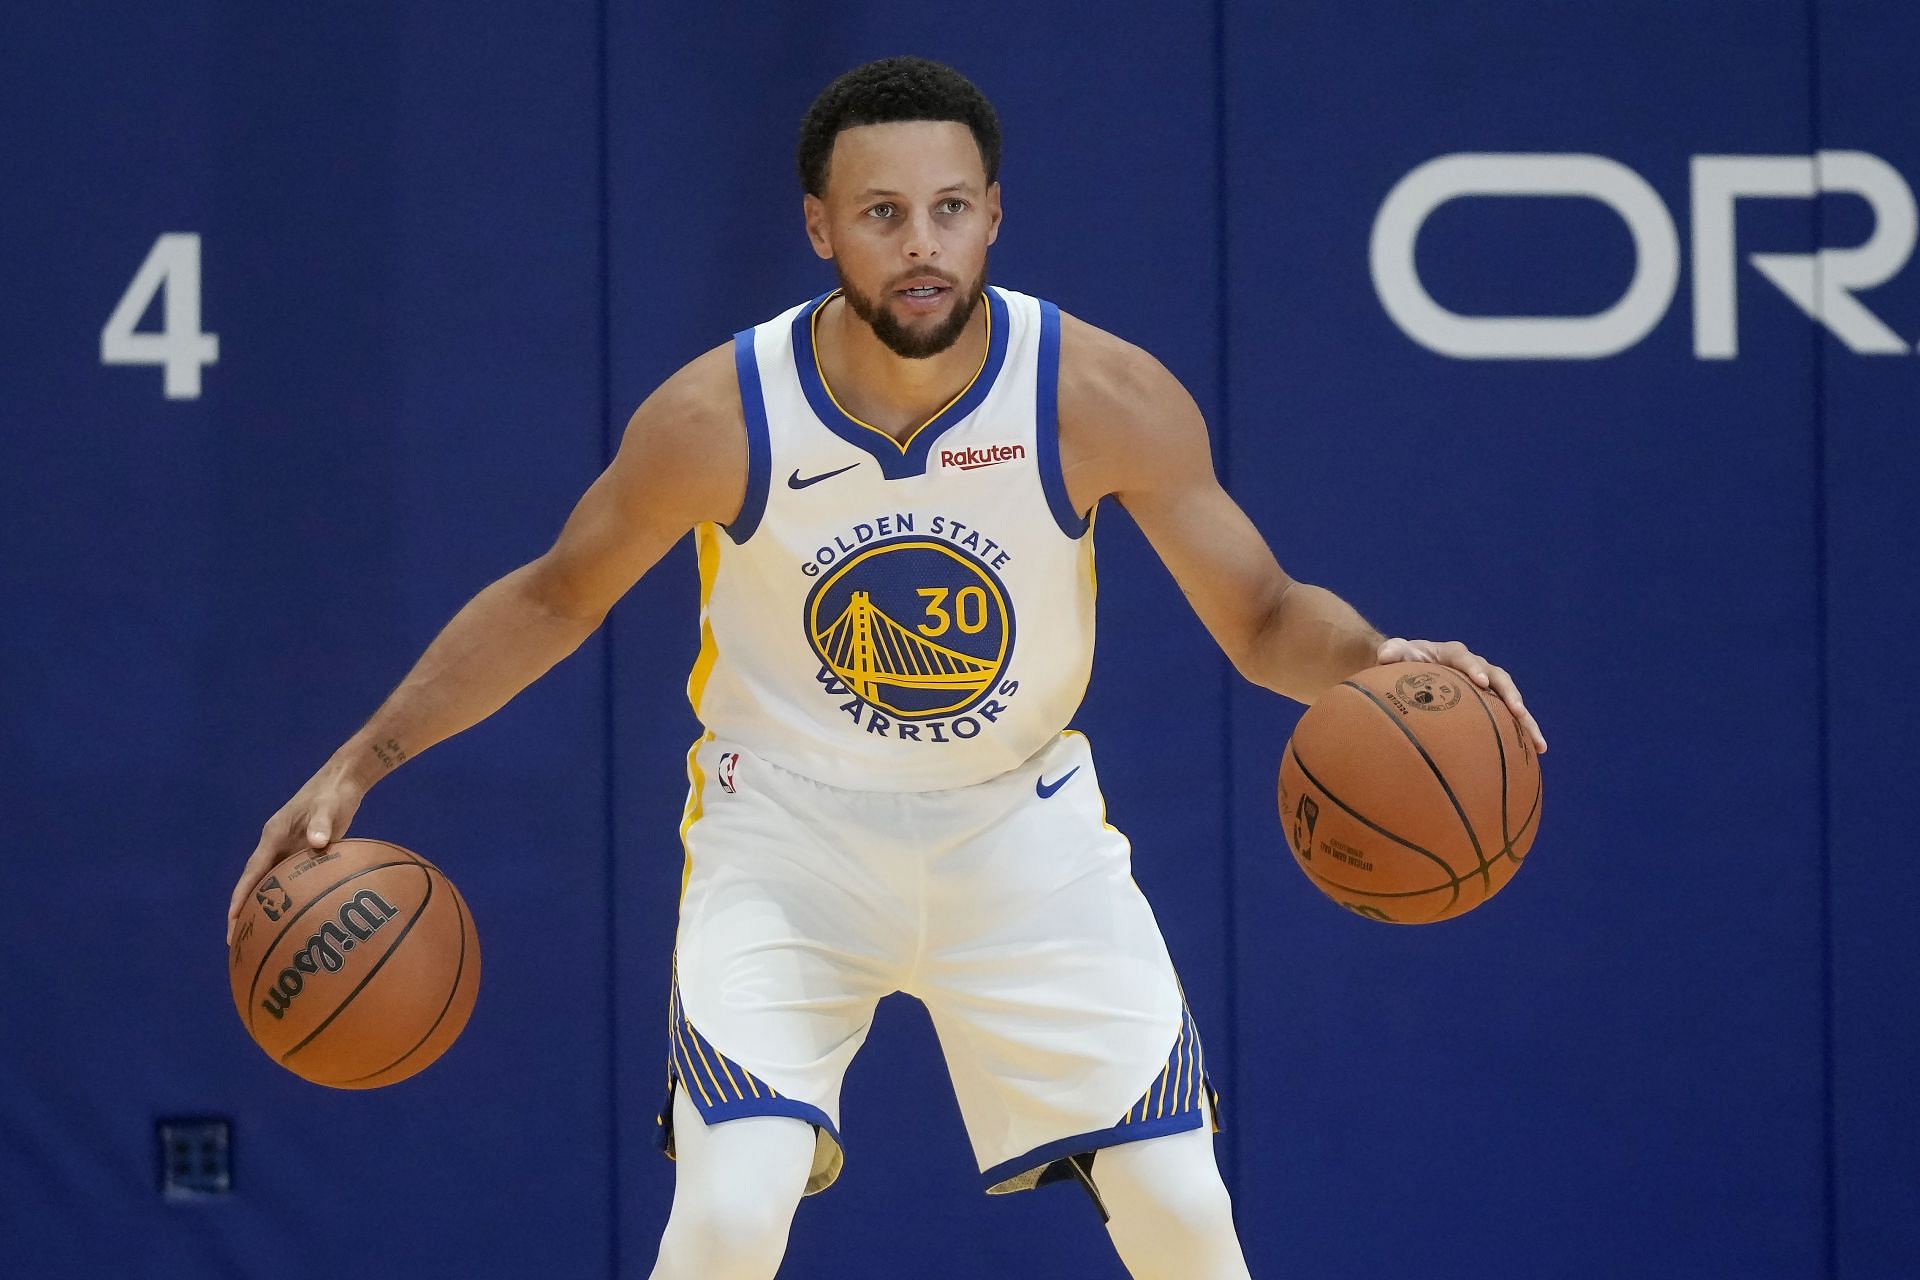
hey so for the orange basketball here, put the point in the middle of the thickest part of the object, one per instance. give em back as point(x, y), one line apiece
point(1408, 794)
point(355, 967)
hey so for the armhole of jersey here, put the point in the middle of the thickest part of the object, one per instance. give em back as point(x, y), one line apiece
point(1046, 425)
point(753, 406)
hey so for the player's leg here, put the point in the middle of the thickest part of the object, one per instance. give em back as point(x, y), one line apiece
point(1063, 1023)
point(1168, 1212)
point(735, 1188)
point(776, 973)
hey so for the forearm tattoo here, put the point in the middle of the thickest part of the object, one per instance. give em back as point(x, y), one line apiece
point(390, 752)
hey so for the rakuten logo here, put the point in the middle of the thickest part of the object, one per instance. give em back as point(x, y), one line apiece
point(1821, 284)
point(991, 456)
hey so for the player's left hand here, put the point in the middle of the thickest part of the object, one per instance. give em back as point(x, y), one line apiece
point(1451, 653)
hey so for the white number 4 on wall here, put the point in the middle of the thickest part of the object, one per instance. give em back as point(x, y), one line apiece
point(172, 264)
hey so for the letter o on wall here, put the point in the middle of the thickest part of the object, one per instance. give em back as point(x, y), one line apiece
point(1412, 201)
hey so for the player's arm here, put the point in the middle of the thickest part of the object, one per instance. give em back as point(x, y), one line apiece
point(1130, 430)
point(681, 461)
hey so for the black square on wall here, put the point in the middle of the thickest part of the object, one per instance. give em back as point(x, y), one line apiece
point(195, 1156)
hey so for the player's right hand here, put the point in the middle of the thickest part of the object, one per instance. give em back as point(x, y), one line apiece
point(317, 815)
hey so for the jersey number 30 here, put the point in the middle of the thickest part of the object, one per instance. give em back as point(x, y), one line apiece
point(969, 611)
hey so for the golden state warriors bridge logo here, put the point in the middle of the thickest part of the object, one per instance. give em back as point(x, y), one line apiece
point(916, 632)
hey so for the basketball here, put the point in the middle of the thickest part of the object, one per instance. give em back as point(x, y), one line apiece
point(355, 967)
point(1408, 794)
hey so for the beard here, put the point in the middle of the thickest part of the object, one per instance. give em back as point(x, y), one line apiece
point(915, 344)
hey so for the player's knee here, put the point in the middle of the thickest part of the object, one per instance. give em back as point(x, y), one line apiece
point(730, 1229)
point(1176, 1186)
point(756, 1183)
point(726, 1240)
point(1189, 1210)
point(736, 1187)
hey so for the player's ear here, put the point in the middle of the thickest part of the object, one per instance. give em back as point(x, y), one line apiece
point(814, 211)
point(993, 211)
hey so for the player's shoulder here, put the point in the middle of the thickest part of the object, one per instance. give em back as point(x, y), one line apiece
point(1107, 381)
point(696, 408)
point(703, 391)
point(686, 444)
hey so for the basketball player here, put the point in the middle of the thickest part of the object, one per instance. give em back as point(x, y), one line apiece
point(891, 490)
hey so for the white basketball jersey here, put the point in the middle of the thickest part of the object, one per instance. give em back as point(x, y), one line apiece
point(886, 616)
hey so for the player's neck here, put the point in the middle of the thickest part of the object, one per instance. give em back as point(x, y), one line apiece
point(889, 391)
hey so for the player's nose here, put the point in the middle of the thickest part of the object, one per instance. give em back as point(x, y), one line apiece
point(922, 239)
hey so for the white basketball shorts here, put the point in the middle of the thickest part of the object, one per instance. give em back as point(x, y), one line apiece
point(1008, 908)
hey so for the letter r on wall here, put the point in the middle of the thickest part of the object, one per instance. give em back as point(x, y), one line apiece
point(1821, 284)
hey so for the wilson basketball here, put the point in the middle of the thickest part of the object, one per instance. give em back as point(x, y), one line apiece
point(1408, 794)
point(357, 966)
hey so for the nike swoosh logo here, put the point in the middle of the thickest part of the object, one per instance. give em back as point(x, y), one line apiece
point(795, 482)
point(1043, 788)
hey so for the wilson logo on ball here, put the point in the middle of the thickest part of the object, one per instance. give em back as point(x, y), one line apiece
point(360, 918)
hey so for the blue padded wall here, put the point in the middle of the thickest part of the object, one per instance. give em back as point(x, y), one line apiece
point(1867, 411)
point(398, 259)
point(447, 250)
point(1631, 1035)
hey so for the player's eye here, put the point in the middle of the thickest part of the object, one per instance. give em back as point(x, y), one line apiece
point(877, 208)
point(957, 201)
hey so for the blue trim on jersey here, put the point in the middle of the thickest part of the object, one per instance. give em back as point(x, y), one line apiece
point(721, 1112)
point(895, 463)
point(690, 1054)
point(1046, 426)
point(1109, 1137)
point(753, 404)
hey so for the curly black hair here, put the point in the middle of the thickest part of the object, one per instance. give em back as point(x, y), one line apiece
point(890, 90)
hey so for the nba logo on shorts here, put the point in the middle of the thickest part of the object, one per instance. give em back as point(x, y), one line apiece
point(729, 761)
